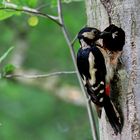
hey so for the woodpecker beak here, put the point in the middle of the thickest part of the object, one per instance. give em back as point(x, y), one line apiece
point(104, 34)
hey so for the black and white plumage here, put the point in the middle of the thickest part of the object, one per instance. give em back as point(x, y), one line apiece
point(90, 61)
point(92, 68)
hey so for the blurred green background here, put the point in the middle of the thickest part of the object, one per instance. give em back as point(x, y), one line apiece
point(28, 112)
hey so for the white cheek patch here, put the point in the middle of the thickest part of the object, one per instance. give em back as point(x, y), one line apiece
point(84, 44)
point(89, 35)
point(92, 70)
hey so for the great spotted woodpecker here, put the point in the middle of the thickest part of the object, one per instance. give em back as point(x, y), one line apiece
point(113, 38)
point(113, 42)
point(95, 68)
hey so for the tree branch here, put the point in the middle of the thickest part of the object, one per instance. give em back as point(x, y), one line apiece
point(39, 75)
point(14, 7)
point(70, 45)
point(48, 82)
point(42, 6)
point(75, 38)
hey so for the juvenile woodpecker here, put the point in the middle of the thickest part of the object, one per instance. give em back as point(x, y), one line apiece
point(92, 67)
point(113, 38)
point(113, 42)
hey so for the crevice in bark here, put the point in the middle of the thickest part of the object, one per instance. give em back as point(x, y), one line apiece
point(108, 6)
point(116, 88)
point(132, 116)
point(111, 8)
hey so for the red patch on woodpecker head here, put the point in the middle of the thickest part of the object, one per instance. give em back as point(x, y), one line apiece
point(107, 90)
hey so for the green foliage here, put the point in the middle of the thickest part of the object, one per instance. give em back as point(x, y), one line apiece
point(28, 113)
point(31, 3)
point(8, 69)
point(21, 4)
point(18, 4)
point(6, 14)
point(54, 2)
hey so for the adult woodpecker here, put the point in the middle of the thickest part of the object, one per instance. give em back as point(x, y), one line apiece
point(91, 62)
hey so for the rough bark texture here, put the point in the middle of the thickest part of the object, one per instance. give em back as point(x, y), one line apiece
point(126, 85)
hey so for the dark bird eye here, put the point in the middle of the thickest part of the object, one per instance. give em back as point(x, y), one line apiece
point(95, 32)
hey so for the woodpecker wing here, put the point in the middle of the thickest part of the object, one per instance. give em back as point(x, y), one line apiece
point(92, 68)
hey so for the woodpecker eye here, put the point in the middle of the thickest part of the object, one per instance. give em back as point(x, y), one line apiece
point(95, 32)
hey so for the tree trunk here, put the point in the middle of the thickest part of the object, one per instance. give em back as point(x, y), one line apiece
point(125, 14)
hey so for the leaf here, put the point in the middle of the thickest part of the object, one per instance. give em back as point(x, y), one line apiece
point(8, 69)
point(14, 4)
point(53, 3)
point(6, 54)
point(32, 3)
point(6, 14)
point(33, 21)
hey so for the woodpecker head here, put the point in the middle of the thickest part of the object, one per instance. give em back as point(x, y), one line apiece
point(113, 38)
point(88, 35)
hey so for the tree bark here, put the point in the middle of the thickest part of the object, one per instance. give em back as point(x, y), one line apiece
point(125, 88)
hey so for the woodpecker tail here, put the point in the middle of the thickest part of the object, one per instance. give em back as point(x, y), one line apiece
point(99, 110)
point(113, 115)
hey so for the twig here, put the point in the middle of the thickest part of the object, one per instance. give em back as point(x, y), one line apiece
point(14, 7)
point(39, 75)
point(89, 106)
point(5, 54)
point(74, 40)
point(42, 6)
